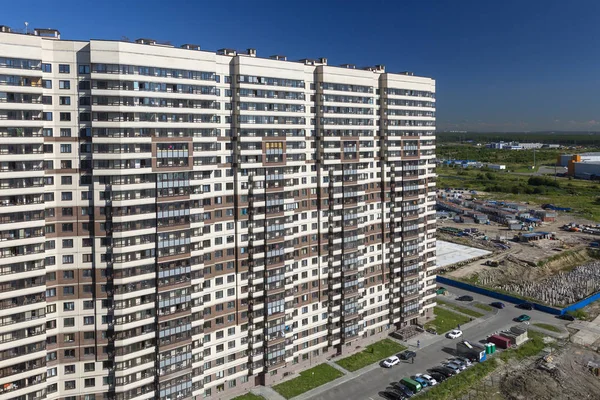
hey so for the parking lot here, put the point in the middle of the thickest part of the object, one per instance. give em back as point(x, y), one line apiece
point(434, 350)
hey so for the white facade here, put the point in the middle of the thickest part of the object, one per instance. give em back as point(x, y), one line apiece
point(179, 223)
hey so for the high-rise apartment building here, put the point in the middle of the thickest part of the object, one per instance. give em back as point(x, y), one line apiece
point(179, 224)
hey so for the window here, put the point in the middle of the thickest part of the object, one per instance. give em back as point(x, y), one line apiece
point(68, 290)
point(84, 69)
point(69, 322)
point(65, 132)
point(65, 116)
point(69, 385)
point(47, 100)
point(46, 67)
point(64, 100)
point(66, 164)
point(64, 69)
point(88, 320)
point(89, 351)
point(64, 84)
point(84, 85)
point(68, 274)
point(66, 196)
point(46, 84)
point(68, 306)
point(88, 304)
point(89, 382)
point(66, 180)
point(67, 259)
point(47, 116)
point(65, 148)
point(47, 132)
point(89, 335)
point(67, 227)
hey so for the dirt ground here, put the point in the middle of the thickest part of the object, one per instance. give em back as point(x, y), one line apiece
point(516, 262)
point(571, 380)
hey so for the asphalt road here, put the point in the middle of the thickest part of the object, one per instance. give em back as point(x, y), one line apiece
point(368, 385)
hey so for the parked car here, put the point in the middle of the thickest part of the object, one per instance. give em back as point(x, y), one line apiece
point(566, 317)
point(438, 377)
point(407, 355)
point(463, 365)
point(403, 389)
point(523, 318)
point(390, 362)
point(465, 298)
point(453, 334)
point(424, 383)
point(447, 372)
point(390, 395)
point(454, 367)
point(413, 385)
point(431, 381)
point(525, 306)
point(465, 360)
point(498, 304)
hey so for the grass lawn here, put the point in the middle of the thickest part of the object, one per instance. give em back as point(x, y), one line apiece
point(463, 310)
point(249, 396)
point(460, 384)
point(484, 307)
point(372, 354)
point(547, 327)
point(445, 320)
point(309, 379)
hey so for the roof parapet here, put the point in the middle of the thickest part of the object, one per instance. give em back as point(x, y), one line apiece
point(47, 33)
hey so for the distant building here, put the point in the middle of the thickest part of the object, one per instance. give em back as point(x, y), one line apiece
point(583, 166)
point(563, 159)
point(514, 146)
point(496, 167)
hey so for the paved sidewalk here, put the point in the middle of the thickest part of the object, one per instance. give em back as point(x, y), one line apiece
point(338, 367)
point(267, 392)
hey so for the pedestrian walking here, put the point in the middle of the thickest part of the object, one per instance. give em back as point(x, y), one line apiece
point(412, 360)
point(458, 327)
point(418, 344)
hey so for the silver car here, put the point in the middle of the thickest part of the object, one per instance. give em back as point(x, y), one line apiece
point(454, 367)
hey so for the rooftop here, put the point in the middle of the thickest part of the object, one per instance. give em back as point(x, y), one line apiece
point(448, 253)
point(51, 33)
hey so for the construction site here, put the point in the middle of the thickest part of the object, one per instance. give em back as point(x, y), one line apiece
point(570, 373)
point(562, 372)
point(547, 256)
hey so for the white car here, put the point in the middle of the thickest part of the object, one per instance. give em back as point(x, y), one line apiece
point(464, 360)
point(390, 362)
point(429, 379)
point(454, 334)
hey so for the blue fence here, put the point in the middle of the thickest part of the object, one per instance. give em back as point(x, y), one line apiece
point(504, 297)
point(582, 303)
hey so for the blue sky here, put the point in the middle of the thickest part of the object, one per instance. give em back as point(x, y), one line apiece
point(499, 65)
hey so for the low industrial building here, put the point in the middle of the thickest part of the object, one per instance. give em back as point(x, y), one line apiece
point(516, 334)
point(564, 159)
point(496, 167)
point(533, 236)
point(545, 215)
